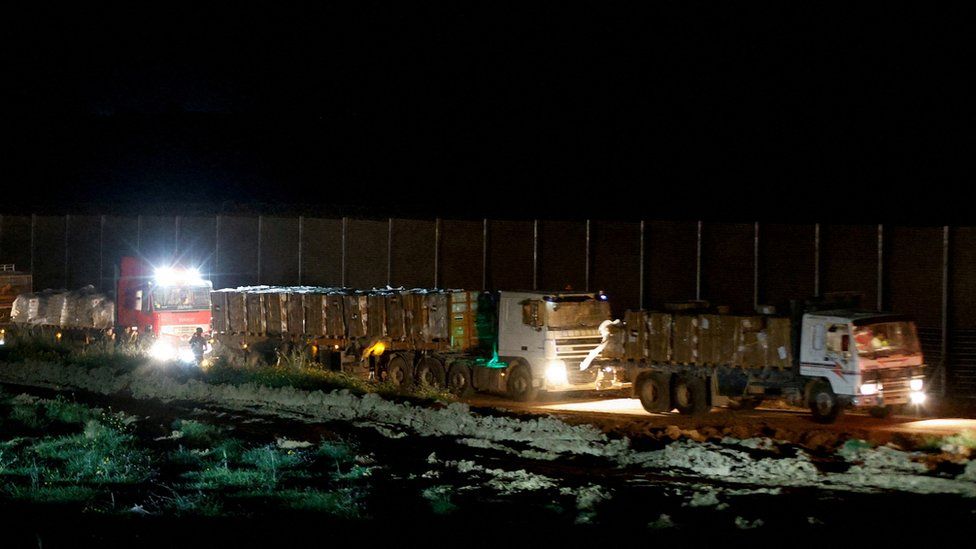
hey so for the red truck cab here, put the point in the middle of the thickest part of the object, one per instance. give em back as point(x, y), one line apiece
point(167, 303)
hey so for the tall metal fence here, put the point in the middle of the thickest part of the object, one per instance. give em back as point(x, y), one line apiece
point(927, 272)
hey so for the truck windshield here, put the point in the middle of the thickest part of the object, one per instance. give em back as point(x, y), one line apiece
point(569, 315)
point(181, 298)
point(886, 339)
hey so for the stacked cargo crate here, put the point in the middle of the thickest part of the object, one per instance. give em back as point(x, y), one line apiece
point(415, 319)
point(703, 339)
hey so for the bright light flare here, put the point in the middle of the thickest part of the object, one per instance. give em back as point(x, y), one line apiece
point(917, 397)
point(916, 384)
point(556, 373)
point(162, 351)
point(165, 351)
point(870, 388)
point(941, 426)
point(628, 406)
point(186, 355)
point(170, 276)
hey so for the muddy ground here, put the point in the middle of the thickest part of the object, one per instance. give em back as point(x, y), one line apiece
point(435, 491)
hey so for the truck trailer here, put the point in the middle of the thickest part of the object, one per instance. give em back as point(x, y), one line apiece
point(822, 356)
point(516, 343)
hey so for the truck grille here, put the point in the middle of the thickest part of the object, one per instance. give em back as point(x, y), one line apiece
point(572, 346)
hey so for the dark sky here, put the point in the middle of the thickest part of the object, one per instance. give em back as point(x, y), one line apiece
point(681, 110)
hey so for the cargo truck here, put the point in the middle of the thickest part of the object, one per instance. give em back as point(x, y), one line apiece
point(164, 305)
point(516, 343)
point(821, 356)
point(156, 307)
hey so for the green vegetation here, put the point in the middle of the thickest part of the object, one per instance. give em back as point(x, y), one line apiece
point(197, 434)
point(439, 498)
point(25, 346)
point(99, 460)
point(308, 378)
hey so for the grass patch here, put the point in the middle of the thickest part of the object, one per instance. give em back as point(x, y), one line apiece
point(196, 433)
point(100, 454)
point(52, 494)
point(182, 504)
point(284, 376)
point(100, 355)
point(439, 498)
point(222, 477)
point(344, 502)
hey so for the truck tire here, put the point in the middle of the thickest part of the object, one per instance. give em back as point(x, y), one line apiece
point(399, 371)
point(690, 395)
point(459, 380)
point(430, 372)
point(824, 404)
point(652, 390)
point(519, 384)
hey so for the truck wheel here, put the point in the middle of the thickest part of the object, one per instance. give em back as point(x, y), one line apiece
point(823, 402)
point(430, 372)
point(399, 371)
point(690, 395)
point(652, 390)
point(459, 380)
point(519, 384)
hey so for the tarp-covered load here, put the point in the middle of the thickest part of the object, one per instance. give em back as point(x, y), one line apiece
point(705, 339)
point(416, 317)
point(84, 308)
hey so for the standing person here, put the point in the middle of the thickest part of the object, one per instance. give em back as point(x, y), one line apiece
point(198, 344)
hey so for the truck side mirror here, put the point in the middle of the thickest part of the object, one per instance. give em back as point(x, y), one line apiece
point(137, 301)
point(845, 343)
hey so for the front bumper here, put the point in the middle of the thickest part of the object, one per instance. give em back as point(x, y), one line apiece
point(885, 398)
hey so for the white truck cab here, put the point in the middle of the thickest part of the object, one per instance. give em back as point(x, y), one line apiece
point(868, 358)
point(549, 340)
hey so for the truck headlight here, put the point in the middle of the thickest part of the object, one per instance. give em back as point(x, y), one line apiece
point(162, 350)
point(870, 388)
point(917, 397)
point(556, 373)
point(916, 384)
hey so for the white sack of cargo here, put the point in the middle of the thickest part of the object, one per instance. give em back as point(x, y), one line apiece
point(20, 313)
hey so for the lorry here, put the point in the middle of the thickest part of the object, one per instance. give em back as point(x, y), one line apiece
point(160, 308)
point(165, 305)
point(515, 343)
point(825, 356)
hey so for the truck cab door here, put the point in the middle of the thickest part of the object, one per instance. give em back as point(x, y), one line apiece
point(837, 347)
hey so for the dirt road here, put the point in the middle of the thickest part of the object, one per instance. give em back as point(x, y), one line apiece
point(616, 413)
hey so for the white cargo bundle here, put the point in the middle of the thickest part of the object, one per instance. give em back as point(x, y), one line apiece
point(84, 308)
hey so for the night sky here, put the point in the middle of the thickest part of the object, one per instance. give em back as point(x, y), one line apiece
point(680, 111)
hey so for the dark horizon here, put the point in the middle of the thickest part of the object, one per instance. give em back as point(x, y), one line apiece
point(722, 115)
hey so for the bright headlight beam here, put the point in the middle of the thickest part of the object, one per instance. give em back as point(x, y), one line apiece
point(162, 351)
point(556, 373)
